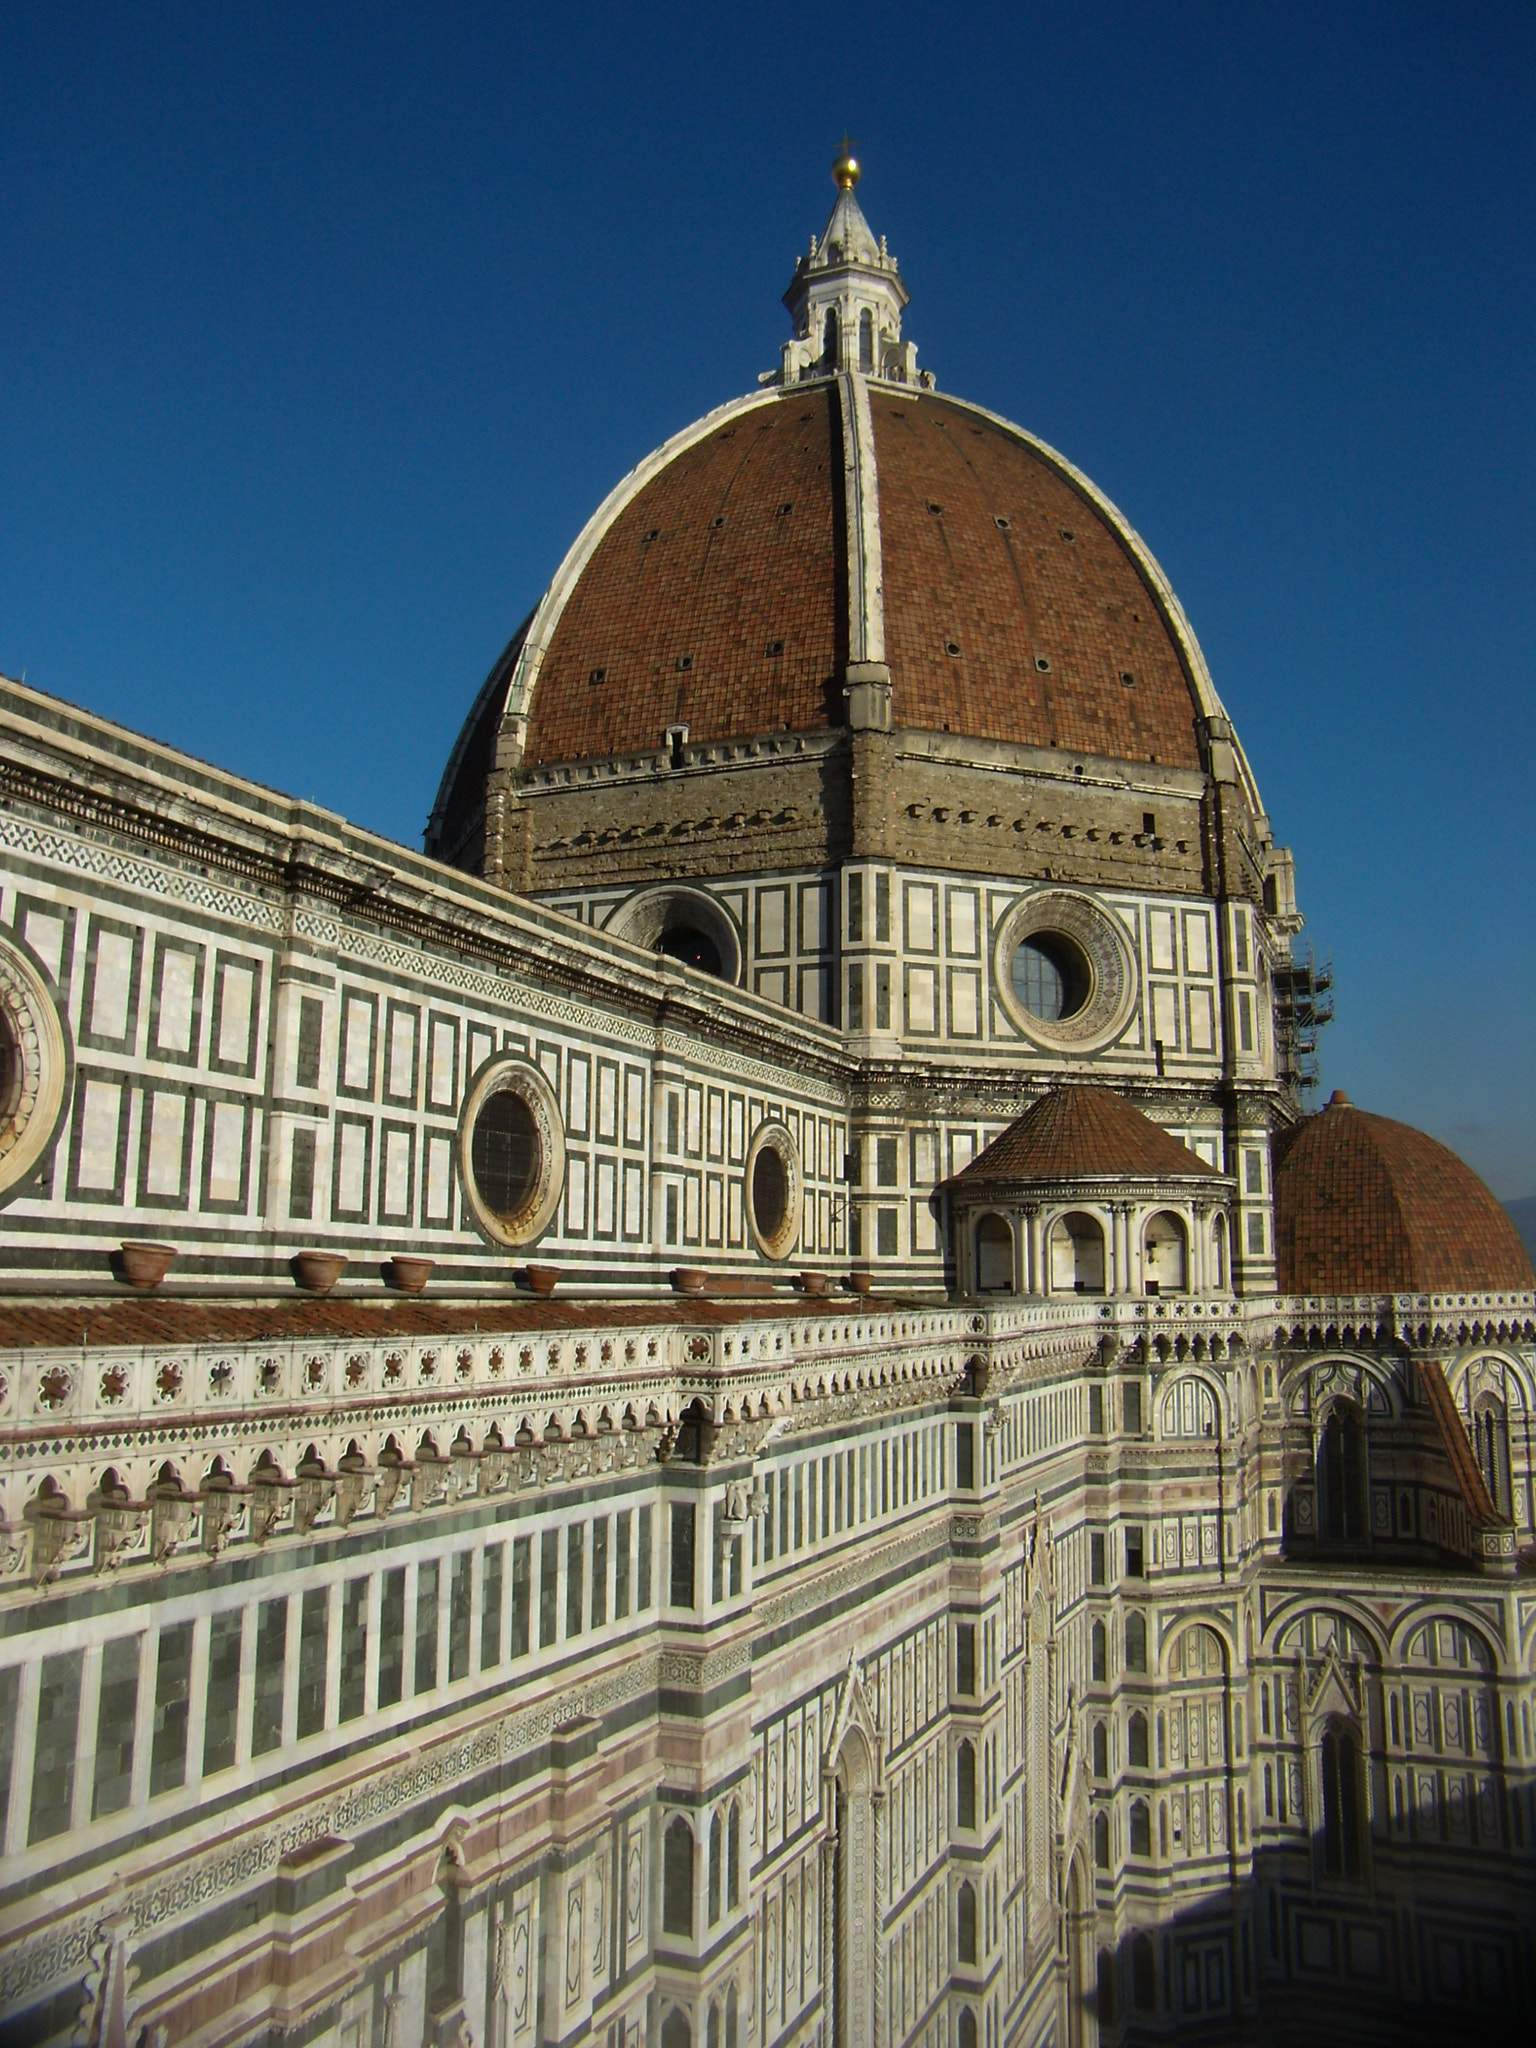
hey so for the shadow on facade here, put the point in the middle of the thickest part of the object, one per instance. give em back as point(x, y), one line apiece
point(1427, 1943)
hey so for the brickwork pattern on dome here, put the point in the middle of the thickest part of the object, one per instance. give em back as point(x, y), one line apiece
point(748, 553)
point(1082, 1133)
point(1009, 597)
point(1364, 1205)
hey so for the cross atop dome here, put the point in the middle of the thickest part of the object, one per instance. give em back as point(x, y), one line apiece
point(847, 298)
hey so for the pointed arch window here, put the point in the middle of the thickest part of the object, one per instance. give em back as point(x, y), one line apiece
point(1136, 1743)
point(716, 1858)
point(866, 340)
point(1341, 1801)
point(965, 1923)
point(1101, 1841)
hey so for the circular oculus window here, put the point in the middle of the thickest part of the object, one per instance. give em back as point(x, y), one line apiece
point(1064, 972)
point(34, 1066)
point(773, 1190)
point(511, 1152)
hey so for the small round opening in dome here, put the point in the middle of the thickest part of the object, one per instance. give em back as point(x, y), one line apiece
point(693, 948)
point(1050, 977)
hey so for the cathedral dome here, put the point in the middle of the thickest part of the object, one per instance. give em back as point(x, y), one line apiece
point(845, 532)
point(1364, 1205)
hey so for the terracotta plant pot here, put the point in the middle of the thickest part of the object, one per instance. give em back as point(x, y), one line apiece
point(318, 1272)
point(861, 1282)
point(145, 1265)
point(409, 1275)
point(541, 1279)
point(689, 1279)
point(814, 1283)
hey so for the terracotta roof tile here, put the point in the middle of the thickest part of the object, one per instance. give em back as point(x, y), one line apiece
point(1364, 1205)
point(1083, 1133)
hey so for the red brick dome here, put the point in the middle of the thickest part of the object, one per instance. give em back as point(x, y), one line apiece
point(727, 585)
point(1364, 1205)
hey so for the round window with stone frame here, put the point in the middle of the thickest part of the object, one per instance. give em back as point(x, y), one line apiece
point(34, 1066)
point(511, 1152)
point(1064, 972)
point(773, 1182)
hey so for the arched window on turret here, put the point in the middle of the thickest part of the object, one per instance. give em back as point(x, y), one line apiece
point(866, 340)
point(829, 332)
point(1341, 1476)
point(716, 1858)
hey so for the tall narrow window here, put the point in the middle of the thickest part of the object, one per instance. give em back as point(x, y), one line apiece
point(115, 1718)
point(965, 1659)
point(1341, 1477)
point(1099, 1648)
point(716, 1862)
point(426, 1627)
point(681, 1588)
point(1341, 1803)
point(733, 1858)
point(1141, 1828)
point(53, 1753)
point(677, 1878)
point(1135, 1642)
point(549, 1583)
point(391, 1638)
point(271, 1654)
point(1136, 1741)
point(965, 1923)
point(459, 1591)
point(643, 1593)
point(965, 1786)
point(1101, 1840)
point(221, 1708)
point(490, 1607)
point(354, 1649)
point(522, 1596)
point(600, 1572)
point(622, 1524)
point(866, 340)
point(575, 1583)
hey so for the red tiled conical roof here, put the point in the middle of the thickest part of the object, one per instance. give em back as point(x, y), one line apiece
point(1364, 1205)
point(1083, 1133)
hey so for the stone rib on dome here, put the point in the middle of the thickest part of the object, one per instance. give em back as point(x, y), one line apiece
point(1083, 1132)
point(1364, 1205)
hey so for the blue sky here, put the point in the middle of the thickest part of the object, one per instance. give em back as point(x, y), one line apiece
point(327, 327)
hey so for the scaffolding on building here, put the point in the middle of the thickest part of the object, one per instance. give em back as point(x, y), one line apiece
point(1303, 1006)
